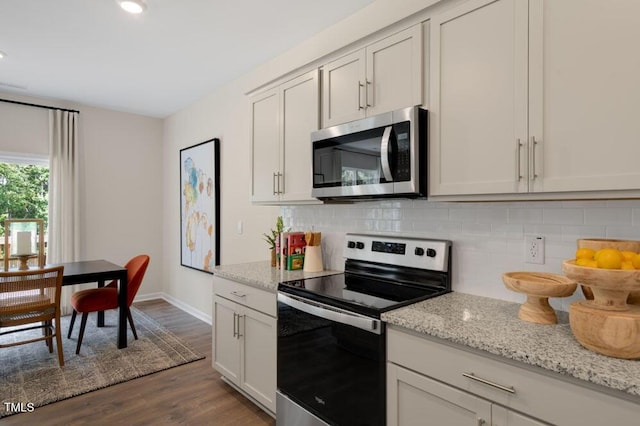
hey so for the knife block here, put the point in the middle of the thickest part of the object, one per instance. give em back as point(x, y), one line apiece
point(313, 259)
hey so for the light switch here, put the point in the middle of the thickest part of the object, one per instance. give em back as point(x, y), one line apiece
point(240, 227)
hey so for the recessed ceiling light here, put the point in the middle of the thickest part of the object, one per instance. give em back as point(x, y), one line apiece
point(2, 54)
point(133, 6)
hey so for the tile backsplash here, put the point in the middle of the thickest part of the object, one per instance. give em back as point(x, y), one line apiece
point(488, 238)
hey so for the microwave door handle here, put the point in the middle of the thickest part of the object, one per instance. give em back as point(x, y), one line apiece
point(384, 153)
point(331, 313)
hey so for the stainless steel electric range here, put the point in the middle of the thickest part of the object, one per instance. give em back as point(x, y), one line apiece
point(331, 341)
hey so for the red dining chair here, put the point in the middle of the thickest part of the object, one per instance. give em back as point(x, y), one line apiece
point(102, 299)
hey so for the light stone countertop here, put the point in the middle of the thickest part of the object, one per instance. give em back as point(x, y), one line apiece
point(493, 325)
point(262, 275)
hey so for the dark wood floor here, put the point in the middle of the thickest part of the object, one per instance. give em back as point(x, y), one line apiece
point(190, 394)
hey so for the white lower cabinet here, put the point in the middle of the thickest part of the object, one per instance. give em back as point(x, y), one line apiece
point(433, 382)
point(418, 400)
point(244, 340)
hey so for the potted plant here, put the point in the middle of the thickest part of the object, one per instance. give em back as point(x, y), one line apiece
point(271, 239)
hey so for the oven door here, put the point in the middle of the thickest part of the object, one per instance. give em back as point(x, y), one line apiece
point(331, 363)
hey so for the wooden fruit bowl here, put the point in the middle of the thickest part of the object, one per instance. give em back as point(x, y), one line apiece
point(538, 286)
point(610, 287)
point(600, 243)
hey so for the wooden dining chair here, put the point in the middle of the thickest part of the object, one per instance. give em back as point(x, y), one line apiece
point(28, 297)
point(104, 298)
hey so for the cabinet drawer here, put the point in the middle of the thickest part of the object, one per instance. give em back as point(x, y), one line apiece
point(252, 297)
point(535, 393)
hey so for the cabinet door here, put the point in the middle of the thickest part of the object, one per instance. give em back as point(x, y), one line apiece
point(478, 111)
point(585, 94)
point(226, 344)
point(259, 357)
point(300, 112)
point(502, 416)
point(394, 72)
point(265, 139)
point(343, 89)
point(413, 399)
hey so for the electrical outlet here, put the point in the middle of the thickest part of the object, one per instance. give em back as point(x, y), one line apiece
point(534, 249)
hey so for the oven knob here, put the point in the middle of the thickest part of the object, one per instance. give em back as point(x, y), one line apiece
point(359, 245)
point(351, 244)
point(431, 253)
point(419, 251)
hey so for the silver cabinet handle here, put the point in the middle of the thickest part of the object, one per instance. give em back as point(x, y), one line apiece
point(273, 184)
point(518, 149)
point(472, 376)
point(384, 152)
point(360, 86)
point(369, 103)
point(238, 294)
point(534, 143)
point(235, 332)
point(238, 335)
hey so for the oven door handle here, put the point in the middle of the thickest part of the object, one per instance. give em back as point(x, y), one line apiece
point(332, 313)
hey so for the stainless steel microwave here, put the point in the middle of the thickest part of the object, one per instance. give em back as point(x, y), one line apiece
point(379, 156)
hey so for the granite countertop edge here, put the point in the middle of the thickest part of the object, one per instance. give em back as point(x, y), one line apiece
point(472, 321)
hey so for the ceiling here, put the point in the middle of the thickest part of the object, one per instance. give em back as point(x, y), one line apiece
point(93, 53)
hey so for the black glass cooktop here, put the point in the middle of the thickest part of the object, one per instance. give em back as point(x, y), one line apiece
point(362, 294)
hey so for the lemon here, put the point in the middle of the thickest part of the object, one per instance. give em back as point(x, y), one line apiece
point(626, 264)
point(583, 262)
point(628, 255)
point(609, 258)
point(593, 264)
point(585, 253)
point(635, 261)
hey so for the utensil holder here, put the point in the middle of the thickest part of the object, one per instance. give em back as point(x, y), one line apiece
point(313, 259)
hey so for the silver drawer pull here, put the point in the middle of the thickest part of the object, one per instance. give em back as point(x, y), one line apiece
point(472, 376)
point(238, 294)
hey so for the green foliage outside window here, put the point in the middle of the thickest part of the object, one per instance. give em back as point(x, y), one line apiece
point(24, 192)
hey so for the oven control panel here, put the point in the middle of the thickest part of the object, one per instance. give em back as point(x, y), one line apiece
point(403, 251)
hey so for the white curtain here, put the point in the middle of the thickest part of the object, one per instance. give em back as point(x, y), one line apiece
point(64, 222)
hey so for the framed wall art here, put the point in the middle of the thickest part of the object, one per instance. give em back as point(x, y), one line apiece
point(200, 206)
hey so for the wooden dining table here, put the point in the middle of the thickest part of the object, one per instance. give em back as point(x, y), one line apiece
point(89, 271)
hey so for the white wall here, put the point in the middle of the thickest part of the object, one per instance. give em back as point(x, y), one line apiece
point(23, 129)
point(121, 178)
point(222, 115)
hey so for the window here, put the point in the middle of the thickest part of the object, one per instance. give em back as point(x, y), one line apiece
point(24, 190)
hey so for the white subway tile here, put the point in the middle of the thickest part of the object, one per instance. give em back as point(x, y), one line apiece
point(492, 215)
point(607, 216)
point(509, 231)
point(467, 215)
point(563, 216)
point(523, 215)
point(573, 233)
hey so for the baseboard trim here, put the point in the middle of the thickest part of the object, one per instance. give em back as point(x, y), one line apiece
point(177, 303)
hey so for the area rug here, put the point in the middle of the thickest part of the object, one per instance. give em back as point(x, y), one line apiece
point(31, 377)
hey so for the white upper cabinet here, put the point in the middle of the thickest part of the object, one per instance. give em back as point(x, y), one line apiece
point(478, 110)
point(381, 77)
point(585, 94)
point(533, 96)
point(282, 121)
point(265, 143)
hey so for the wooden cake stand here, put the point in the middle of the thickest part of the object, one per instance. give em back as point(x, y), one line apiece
point(606, 324)
point(539, 286)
